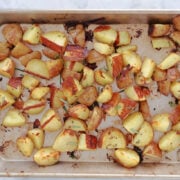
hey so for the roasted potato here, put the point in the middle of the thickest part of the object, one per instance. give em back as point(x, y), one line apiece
point(39, 92)
point(145, 110)
point(169, 141)
point(127, 157)
point(175, 36)
point(32, 34)
point(32, 106)
point(176, 22)
point(25, 146)
point(152, 151)
point(173, 74)
point(171, 60)
point(46, 156)
point(159, 74)
point(95, 119)
point(69, 73)
point(105, 34)
point(176, 127)
point(105, 95)
point(74, 66)
point(88, 97)
point(164, 87)
point(55, 40)
point(79, 111)
point(129, 47)
point(94, 56)
point(162, 42)
point(104, 49)
point(141, 80)
point(157, 30)
point(123, 38)
point(133, 122)
point(161, 122)
point(7, 67)
point(175, 89)
point(30, 82)
point(13, 33)
point(87, 142)
point(37, 136)
point(75, 124)
point(51, 121)
point(20, 50)
point(103, 77)
point(6, 99)
point(137, 93)
point(50, 53)
point(66, 141)
point(4, 50)
point(112, 138)
point(88, 77)
point(14, 118)
point(144, 135)
point(14, 86)
point(27, 57)
point(114, 64)
point(133, 60)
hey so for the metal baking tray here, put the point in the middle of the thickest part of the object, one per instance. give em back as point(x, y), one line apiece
point(90, 165)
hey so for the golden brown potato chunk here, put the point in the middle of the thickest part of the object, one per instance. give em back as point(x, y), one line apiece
point(50, 53)
point(175, 36)
point(176, 22)
point(157, 30)
point(13, 33)
point(164, 87)
point(4, 50)
point(88, 97)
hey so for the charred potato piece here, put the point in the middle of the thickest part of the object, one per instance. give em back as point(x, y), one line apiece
point(32, 35)
point(75, 124)
point(161, 122)
point(25, 146)
point(50, 121)
point(4, 50)
point(13, 33)
point(157, 30)
point(127, 157)
point(14, 118)
point(88, 97)
point(169, 141)
point(20, 50)
point(87, 142)
point(95, 119)
point(6, 99)
point(176, 22)
point(27, 57)
point(37, 136)
point(105, 34)
point(7, 67)
point(133, 122)
point(66, 141)
point(144, 135)
point(112, 138)
point(46, 156)
point(79, 111)
point(94, 56)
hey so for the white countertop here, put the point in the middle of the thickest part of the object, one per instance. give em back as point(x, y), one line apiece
point(86, 4)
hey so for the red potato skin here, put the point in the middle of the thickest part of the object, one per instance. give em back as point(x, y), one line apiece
point(52, 45)
point(91, 141)
point(144, 109)
point(117, 65)
point(129, 105)
point(48, 121)
point(175, 115)
point(141, 91)
point(37, 75)
point(35, 106)
point(102, 28)
point(19, 104)
point(15, 82)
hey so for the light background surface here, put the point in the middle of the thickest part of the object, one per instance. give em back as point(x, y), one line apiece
point(86, 4)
